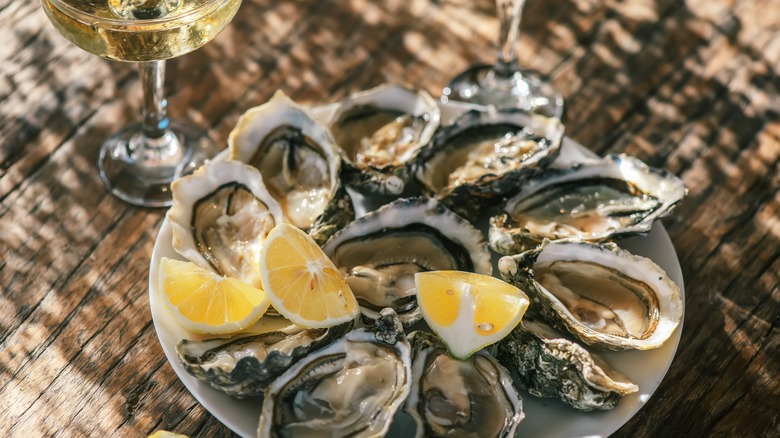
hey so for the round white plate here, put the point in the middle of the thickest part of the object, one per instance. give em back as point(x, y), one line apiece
point(543, 417)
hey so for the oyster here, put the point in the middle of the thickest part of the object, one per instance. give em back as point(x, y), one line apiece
point(449, 397)
point(485, 154)
point(299, 164)
point(593, 201)
point(603, 295)
point(380, 131)
point(379, 253)
point(243, 366)
point(220, 217)
point(351, 388)
point(548, 365)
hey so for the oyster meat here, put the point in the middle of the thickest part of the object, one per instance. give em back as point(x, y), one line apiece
point(299, 164)
point(593, 201)
point(380, 131)
point(549, 365)
point(243, 366)
point(379, 253)
point(220, 217)
point(351, 388)
point(603, 295)
point(484, 154)
point(454, 398)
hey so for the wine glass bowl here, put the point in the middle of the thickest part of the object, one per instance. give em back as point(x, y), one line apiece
point(140, 30)
point(504, 84)
point(138, 163)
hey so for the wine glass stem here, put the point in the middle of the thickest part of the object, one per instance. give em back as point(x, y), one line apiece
point(509, 18)
point(155, 117)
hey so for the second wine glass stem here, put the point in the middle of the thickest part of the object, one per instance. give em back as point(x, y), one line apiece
point(509, 12)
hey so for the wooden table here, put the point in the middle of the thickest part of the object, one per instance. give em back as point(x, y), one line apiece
point(692, 86)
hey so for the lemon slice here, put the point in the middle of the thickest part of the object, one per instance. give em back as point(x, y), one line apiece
point(301, 281)
point(166, 434)
point(468, 311)
point(204, 302)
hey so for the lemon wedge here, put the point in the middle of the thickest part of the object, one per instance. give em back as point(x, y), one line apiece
point(302, 283)
point(468, 311)
point(204, 302)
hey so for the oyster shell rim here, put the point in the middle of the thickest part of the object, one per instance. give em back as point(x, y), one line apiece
point(555, 313)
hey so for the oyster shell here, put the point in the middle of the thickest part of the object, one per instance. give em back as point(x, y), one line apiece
point(220, 217)
point(299, 164)
point(243, 366)
point(379, 253)
point(548, 365)
point(484, 154)
point(379, 131)
point(351, 388)
point(603, 295)
point(449, 397)
point(593, 201)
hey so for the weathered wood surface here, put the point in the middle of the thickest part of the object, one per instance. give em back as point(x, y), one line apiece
point(690, 86)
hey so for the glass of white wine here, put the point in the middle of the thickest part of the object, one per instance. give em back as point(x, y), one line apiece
point(138, 163)
point(504, 84)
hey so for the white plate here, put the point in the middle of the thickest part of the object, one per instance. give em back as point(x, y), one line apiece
point(544, 417)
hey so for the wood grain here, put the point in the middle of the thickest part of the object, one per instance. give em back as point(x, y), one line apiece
point(690, 86)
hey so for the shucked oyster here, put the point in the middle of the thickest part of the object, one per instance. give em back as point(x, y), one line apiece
point(483, 155)
point(299, 164)
point(243, 366)
point(469, 398)
point(593, 201)
point(380, 131)
point(379, 253)
point(351, 388)
point(601, 294)
point(548, 365)
point(220, 218)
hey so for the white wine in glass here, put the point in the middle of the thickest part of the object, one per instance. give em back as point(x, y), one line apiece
point(138, 163)
point(504, 84)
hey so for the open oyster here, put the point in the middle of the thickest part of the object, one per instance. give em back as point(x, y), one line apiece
point(380, 130)
point(351, 388)
point(379, 253)
point(485, 154)
point(243, 366)
point(220, 217)
point(601, 294)
point(299, 164)
point(548, 365)
point(450, 397)
point(593, 201)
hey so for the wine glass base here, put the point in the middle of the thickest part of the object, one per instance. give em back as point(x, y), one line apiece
point(526, 90)
point(140, 172)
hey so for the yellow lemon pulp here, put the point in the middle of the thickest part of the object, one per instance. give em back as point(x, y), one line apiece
point(468, 311)
point(301, 281)
point(204, 302)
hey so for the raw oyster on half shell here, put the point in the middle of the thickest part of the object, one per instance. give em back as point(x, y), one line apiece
point(593, 201)
point(603, 295)
point(379, 253)
point(549, 365)
point(220, 217)
point(380, 131)
point(351, 388)
point(451, 397)
point(299, 163)
point(243, 366)
point(484, 154)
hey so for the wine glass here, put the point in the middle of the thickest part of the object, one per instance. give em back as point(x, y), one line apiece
point(138, 163)
point(504, 84)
